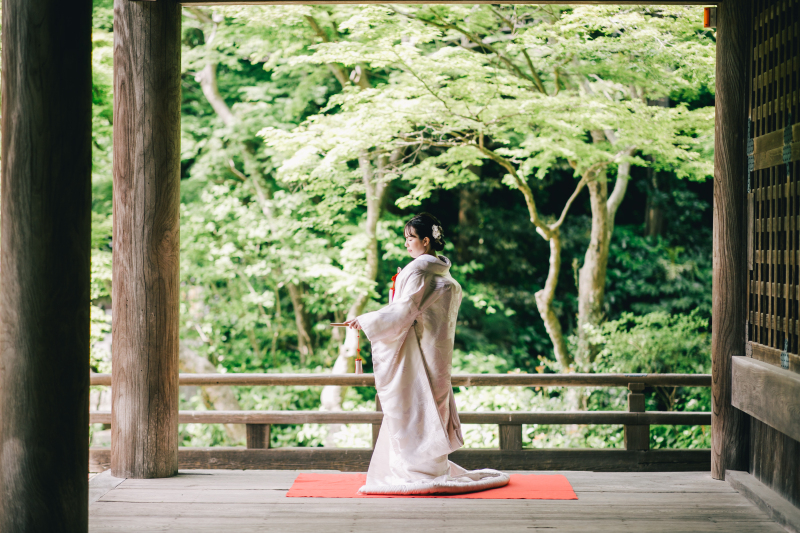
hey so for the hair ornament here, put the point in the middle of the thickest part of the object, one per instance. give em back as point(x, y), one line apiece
point(436, 231)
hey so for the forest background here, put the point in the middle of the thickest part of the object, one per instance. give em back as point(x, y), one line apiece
point(566, 150)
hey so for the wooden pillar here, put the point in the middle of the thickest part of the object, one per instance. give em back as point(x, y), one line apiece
point(44, 266)
point(144, 438)
point(729, 426)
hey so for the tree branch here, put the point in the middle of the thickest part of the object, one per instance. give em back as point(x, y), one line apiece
point(620, 187)
point(337, 71)
point(536, 79)
point(478, 43)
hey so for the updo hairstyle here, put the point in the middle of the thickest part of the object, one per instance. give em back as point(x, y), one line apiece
point(423, 224)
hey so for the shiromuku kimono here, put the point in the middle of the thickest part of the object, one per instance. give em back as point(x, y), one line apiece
point(412, 352)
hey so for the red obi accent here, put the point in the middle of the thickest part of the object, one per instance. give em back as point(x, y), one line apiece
point(394, 278)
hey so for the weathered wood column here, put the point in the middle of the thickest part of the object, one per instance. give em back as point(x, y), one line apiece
point(729, 426)
point(44, 267)
point(144, 429)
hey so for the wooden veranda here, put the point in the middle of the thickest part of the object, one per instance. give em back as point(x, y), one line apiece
point(44, 311)
point(211, 501)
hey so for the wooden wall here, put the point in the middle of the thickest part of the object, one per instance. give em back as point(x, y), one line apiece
point(773, 238)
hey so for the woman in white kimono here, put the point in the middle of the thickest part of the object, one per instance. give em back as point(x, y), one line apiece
point(412, 352)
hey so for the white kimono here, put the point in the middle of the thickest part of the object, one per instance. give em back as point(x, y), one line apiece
point(412, 357)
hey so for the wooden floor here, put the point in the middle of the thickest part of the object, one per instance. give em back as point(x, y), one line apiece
point(254, 500)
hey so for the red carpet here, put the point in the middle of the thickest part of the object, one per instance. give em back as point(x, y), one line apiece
point(521, 487)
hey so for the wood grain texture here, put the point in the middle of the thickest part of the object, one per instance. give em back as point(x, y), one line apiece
point(773, 357)
point(466, 417)
point(357, 460)
point(258, 436)
point(44, 266)
point(773, 505)
point(458, 380)
point(146, 238)
point(637, 437)
point(729, 433)
point(346, 2)
point(510, 436)
point(750, 236)
point(775, 292)
point(774, 461)
point(767, 393)
point(254, 501)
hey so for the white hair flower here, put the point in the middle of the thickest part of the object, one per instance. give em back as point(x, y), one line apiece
point(436, 231)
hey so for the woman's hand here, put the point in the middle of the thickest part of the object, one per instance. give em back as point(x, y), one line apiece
point(353, 324)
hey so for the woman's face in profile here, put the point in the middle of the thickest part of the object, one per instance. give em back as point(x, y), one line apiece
point(414, 246)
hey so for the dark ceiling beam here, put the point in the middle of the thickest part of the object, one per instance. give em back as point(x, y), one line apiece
point(330, 2)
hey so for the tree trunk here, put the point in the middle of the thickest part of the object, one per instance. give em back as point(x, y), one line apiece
point(376, 188)
point(468, 203)
point(221, 398)
point(304, 343)
point(654, 214)
point(592, 275)
point(207, 78)
point(544, 303)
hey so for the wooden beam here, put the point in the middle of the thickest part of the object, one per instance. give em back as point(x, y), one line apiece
point(144, 438)
point(44, 287)
point(773, 356)
point(459, 380)
point(350, 460)
point(375, 417)
point(768, 393)
point(345, 2)
point(729, 432)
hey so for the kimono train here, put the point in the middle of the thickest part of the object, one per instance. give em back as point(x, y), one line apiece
point(412, 353)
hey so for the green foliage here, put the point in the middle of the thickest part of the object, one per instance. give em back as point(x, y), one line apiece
point(102, 113)
point(447, 103)
point(668, 344)
point(654, 343)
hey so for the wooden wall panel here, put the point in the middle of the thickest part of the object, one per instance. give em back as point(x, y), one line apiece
point(774, 291)
point(775, 461)
point(774, 281)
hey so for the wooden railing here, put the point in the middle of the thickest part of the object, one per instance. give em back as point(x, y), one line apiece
point(636, 422)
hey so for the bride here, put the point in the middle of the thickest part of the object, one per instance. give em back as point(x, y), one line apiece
point(412, 352)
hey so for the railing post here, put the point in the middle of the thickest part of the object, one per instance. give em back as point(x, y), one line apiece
point(637, 437)
point(376, 428)
point(510, 436)
point(258, 436)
